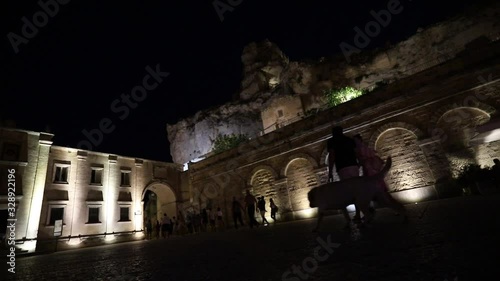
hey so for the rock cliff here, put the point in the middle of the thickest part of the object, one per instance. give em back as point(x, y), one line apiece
point(268, 73)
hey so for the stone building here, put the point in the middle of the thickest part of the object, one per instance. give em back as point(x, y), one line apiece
point(432, 104)
point(431, 123)
point(23, 167)
point(99, 197)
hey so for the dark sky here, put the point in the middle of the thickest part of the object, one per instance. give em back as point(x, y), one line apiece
point(89, 53)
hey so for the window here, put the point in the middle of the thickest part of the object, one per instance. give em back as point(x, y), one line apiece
point(10, 152)
point(280, 113)
point(61, 173)
point(96, 176)
point(56, 213)
point(124, 214)
point(94, 215)
point(125, 178)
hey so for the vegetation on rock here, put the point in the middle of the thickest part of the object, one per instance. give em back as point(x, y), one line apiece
point(225, 142)
point(337, 96)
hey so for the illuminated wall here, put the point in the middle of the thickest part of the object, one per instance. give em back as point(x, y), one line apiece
point(280, 112)
point(27, 153)
point(102, 194)
point(431, 124)
point(301, 178)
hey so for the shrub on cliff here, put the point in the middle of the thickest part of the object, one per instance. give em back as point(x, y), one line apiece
point(337, 96)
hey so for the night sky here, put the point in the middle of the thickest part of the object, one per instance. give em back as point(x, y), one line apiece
point(72, 71)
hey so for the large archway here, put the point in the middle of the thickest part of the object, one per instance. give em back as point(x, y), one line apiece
point(158, 198)
point(410, 168)
point(301, 179)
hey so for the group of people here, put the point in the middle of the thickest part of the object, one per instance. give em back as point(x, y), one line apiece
point(208, 220)
point(252, 205)
point(347, 155)
point(162, 228)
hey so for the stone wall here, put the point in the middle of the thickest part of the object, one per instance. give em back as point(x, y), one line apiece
point(412, 120)
point(115, 185)
point(269, 74)
point(26, 154)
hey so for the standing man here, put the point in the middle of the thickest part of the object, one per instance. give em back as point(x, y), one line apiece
point(237, 209)
point(342, 153)
point(166, 226)
point(250, 203)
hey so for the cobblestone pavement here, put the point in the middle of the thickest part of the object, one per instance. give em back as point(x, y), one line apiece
point(451, 239)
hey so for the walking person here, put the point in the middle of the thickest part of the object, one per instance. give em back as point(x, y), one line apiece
point(250, 204)
point(220, 219)
point(274, 209)
point(149, 229)
point(342, 154)
point(262, 208)
point(237, 210)
point(211, 216)
point(166, 225)
point(158, 229)
point(174, 225)
point(204, 220)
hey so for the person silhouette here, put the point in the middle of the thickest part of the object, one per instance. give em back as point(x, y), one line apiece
point(250, 203)
point(274, 209)
point(342, 155)
point(237, 209)
point(262, 208)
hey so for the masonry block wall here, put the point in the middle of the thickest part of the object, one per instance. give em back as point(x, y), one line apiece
point(100, 194)
point(25, 154)
point(426, 123)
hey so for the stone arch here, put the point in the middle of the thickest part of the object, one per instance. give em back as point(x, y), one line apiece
point(289, 160)
point(394, 125)
point(206, 194)
point(165, 200)
point(458, 124)
point(439, 113)
point(455, 126)
point(301, 177)
point(410, 168)
point(261, 182)
point(267, 168)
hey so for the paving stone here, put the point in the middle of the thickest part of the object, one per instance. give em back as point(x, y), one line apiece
point(444, 239)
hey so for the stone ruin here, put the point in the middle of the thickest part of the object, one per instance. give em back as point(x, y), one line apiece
point(268, 74)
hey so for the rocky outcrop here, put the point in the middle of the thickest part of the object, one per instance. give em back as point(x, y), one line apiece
point(193, 137)
point(268, 73)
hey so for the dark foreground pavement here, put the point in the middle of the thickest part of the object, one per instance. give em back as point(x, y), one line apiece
point(446, 239)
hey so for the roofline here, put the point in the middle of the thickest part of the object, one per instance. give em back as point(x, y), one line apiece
point(113, 154)
point(26, 131)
